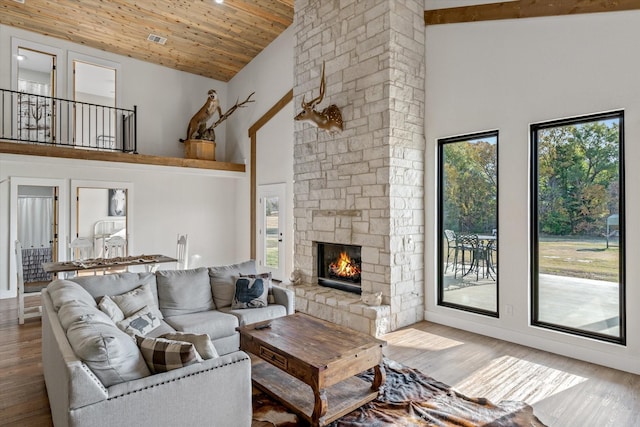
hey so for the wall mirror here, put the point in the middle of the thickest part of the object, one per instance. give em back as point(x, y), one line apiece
point(100, 212)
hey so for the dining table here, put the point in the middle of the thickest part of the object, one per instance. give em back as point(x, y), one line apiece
point(104, 263)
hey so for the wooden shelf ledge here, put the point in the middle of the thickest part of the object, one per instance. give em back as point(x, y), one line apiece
point(105, 156)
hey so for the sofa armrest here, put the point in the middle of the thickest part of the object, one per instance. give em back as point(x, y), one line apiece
point(284, 297)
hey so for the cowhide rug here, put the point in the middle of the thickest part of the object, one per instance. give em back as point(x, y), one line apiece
point(410, 398)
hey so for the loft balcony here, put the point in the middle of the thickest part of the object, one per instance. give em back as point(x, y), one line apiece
point(53, 127)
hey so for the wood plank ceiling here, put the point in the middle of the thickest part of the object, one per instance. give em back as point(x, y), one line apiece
point(203, 37)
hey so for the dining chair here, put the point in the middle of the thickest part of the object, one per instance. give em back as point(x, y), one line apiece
point(182, 252)
point(81, 248)
point(24, 312)
point(115, 246)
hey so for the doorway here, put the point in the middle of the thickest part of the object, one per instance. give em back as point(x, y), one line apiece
point(94, 90)
point(36, 81)
point(271, 229)
point(39, 223)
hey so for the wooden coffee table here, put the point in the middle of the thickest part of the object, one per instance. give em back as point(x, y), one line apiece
point(312, 365)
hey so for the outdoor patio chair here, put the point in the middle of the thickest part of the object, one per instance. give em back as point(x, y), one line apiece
point(452, 246)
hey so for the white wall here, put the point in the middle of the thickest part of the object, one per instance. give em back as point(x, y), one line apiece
point(166, 98)
point(506, 75)
point(270, 75)
point(165, 201)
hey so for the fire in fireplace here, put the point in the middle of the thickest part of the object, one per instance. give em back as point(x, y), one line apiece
point(339, 266)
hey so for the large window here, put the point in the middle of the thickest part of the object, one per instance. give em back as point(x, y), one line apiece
point(468, 223)
point(578, 226)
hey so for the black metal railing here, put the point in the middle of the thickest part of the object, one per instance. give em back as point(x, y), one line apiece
point(37, 119)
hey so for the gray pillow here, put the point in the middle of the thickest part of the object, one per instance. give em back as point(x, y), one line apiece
point(202, 342)
point(184, 291)
point(64, 291)
point(223, 283)
point(110, 353)
point(133, 301)
point(76, 311)
point(110, 308)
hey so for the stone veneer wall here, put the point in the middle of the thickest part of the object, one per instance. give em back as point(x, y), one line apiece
point(365, 185)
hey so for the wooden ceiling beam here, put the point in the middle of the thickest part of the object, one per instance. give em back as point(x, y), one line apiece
point(524, 9)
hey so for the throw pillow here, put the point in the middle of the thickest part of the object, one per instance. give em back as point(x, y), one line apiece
point(132, 301)
point(77, 311)
point(110, 353)
point(202, 342)
point(111, 309)
point(250, 293)
point(223, 282)
point(162, 355)
point(267, 278)
point(63, 291)
point(140, 323)
point(184, 291)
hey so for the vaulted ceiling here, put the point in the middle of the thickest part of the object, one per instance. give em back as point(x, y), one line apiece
point(202, 37)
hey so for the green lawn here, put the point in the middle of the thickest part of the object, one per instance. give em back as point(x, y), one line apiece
point(579, 257)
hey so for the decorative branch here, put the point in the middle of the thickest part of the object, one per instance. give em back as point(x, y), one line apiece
point(232, 109)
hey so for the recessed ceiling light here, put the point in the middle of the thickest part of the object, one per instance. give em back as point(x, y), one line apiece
point(219, 1)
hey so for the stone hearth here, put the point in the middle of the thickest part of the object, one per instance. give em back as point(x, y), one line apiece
point(365, 185)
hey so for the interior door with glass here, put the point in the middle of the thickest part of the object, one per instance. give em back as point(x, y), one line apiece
point(36, 110)
point(271, 229)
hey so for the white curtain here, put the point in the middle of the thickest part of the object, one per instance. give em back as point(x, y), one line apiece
point(35, 219)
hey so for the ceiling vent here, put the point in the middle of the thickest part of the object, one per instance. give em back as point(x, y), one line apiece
point(157, 39)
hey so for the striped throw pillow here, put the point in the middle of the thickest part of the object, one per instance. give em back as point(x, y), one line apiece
point(162, 355)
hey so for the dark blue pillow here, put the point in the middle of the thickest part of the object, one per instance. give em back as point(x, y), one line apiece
point(250, 293)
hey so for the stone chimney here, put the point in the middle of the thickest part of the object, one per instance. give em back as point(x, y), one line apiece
point(365, 185)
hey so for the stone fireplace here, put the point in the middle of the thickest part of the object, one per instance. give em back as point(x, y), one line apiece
point(363, 186)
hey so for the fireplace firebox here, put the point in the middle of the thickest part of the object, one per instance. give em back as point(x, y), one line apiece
point(339, 266)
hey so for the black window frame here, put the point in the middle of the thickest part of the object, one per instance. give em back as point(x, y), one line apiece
point(534, 280)
point(441, 142)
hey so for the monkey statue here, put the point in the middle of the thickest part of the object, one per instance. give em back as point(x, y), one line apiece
point(198, 123)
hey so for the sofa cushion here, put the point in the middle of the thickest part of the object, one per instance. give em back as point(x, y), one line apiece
point(202, 342)
point(213, 323)
point(223, 284)
point(116, 284)
point(112, 355)
point(163, 355)
point(251, 292)
point(111, 309)
point(141, 322)
point(64, 291)
point(184, 291)
point(252, 315)
point(76, 311)
point(132, 301)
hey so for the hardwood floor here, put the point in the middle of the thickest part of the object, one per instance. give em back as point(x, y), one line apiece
point(564, 392)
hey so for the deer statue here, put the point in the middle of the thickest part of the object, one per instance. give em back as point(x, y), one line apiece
point(329, 119)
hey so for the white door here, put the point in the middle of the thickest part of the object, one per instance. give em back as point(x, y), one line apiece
point(271, 229)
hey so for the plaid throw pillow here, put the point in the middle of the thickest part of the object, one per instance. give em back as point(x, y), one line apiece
point(164, 355)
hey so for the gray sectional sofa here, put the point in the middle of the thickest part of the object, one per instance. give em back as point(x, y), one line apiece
point(97, 375)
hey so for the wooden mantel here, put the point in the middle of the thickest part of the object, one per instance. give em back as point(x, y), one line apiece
point(105, 156)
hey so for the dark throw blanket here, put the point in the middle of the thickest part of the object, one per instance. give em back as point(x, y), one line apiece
point(410, 398)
